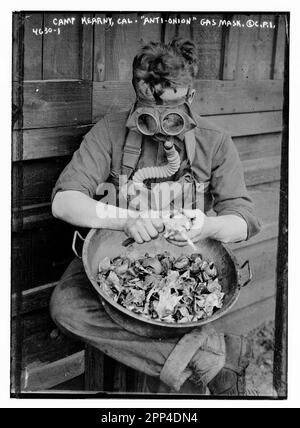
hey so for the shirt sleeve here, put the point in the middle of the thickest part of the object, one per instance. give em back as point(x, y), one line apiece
point(228, 186)
point(90, 164)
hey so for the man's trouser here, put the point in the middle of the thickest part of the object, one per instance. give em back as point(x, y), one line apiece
point(77, 310)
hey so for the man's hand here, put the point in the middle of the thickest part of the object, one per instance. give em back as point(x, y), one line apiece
point(224, 228)
point(144, 227)
point(198, 220)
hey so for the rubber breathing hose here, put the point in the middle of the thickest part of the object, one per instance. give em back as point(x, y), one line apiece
point(160, 171)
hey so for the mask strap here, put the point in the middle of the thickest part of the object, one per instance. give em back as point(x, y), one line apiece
point(130, 113)
point(188, 93)
point(131, 153)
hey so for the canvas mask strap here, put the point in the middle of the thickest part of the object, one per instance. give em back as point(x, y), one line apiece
point(131, 153)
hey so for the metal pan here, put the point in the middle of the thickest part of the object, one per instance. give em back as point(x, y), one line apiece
point(104, 243)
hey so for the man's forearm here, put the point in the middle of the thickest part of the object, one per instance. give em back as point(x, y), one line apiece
point(80, 210)
point(226, 228)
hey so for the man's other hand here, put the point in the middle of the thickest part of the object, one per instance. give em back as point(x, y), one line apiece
point(143, 228)
point(198, 220)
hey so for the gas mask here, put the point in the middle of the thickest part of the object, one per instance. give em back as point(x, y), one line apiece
point(163, 121)
point(170, 119)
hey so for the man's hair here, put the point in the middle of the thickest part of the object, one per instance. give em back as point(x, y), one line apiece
point(161, 66)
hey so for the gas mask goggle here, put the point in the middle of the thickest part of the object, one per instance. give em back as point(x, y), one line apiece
point(170, 119)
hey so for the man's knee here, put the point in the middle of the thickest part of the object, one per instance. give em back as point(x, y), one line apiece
point(63, 297)
point(58, 307)
point(74, 306)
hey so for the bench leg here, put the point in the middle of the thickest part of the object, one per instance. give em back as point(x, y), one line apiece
point(94, 369)
point(121, 379)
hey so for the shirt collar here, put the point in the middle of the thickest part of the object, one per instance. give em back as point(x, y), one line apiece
point(189, 141)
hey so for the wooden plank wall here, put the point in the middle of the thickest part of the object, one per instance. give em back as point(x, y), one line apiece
point(66, 83)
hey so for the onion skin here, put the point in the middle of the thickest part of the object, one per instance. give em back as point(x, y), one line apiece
point(120, 270)
point(182, 263)
point(154, 264)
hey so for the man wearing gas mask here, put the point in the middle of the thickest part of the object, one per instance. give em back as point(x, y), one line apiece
point(162, 139)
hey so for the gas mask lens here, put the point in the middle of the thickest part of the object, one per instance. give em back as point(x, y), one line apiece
point(147, 124)
point(171, 124)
